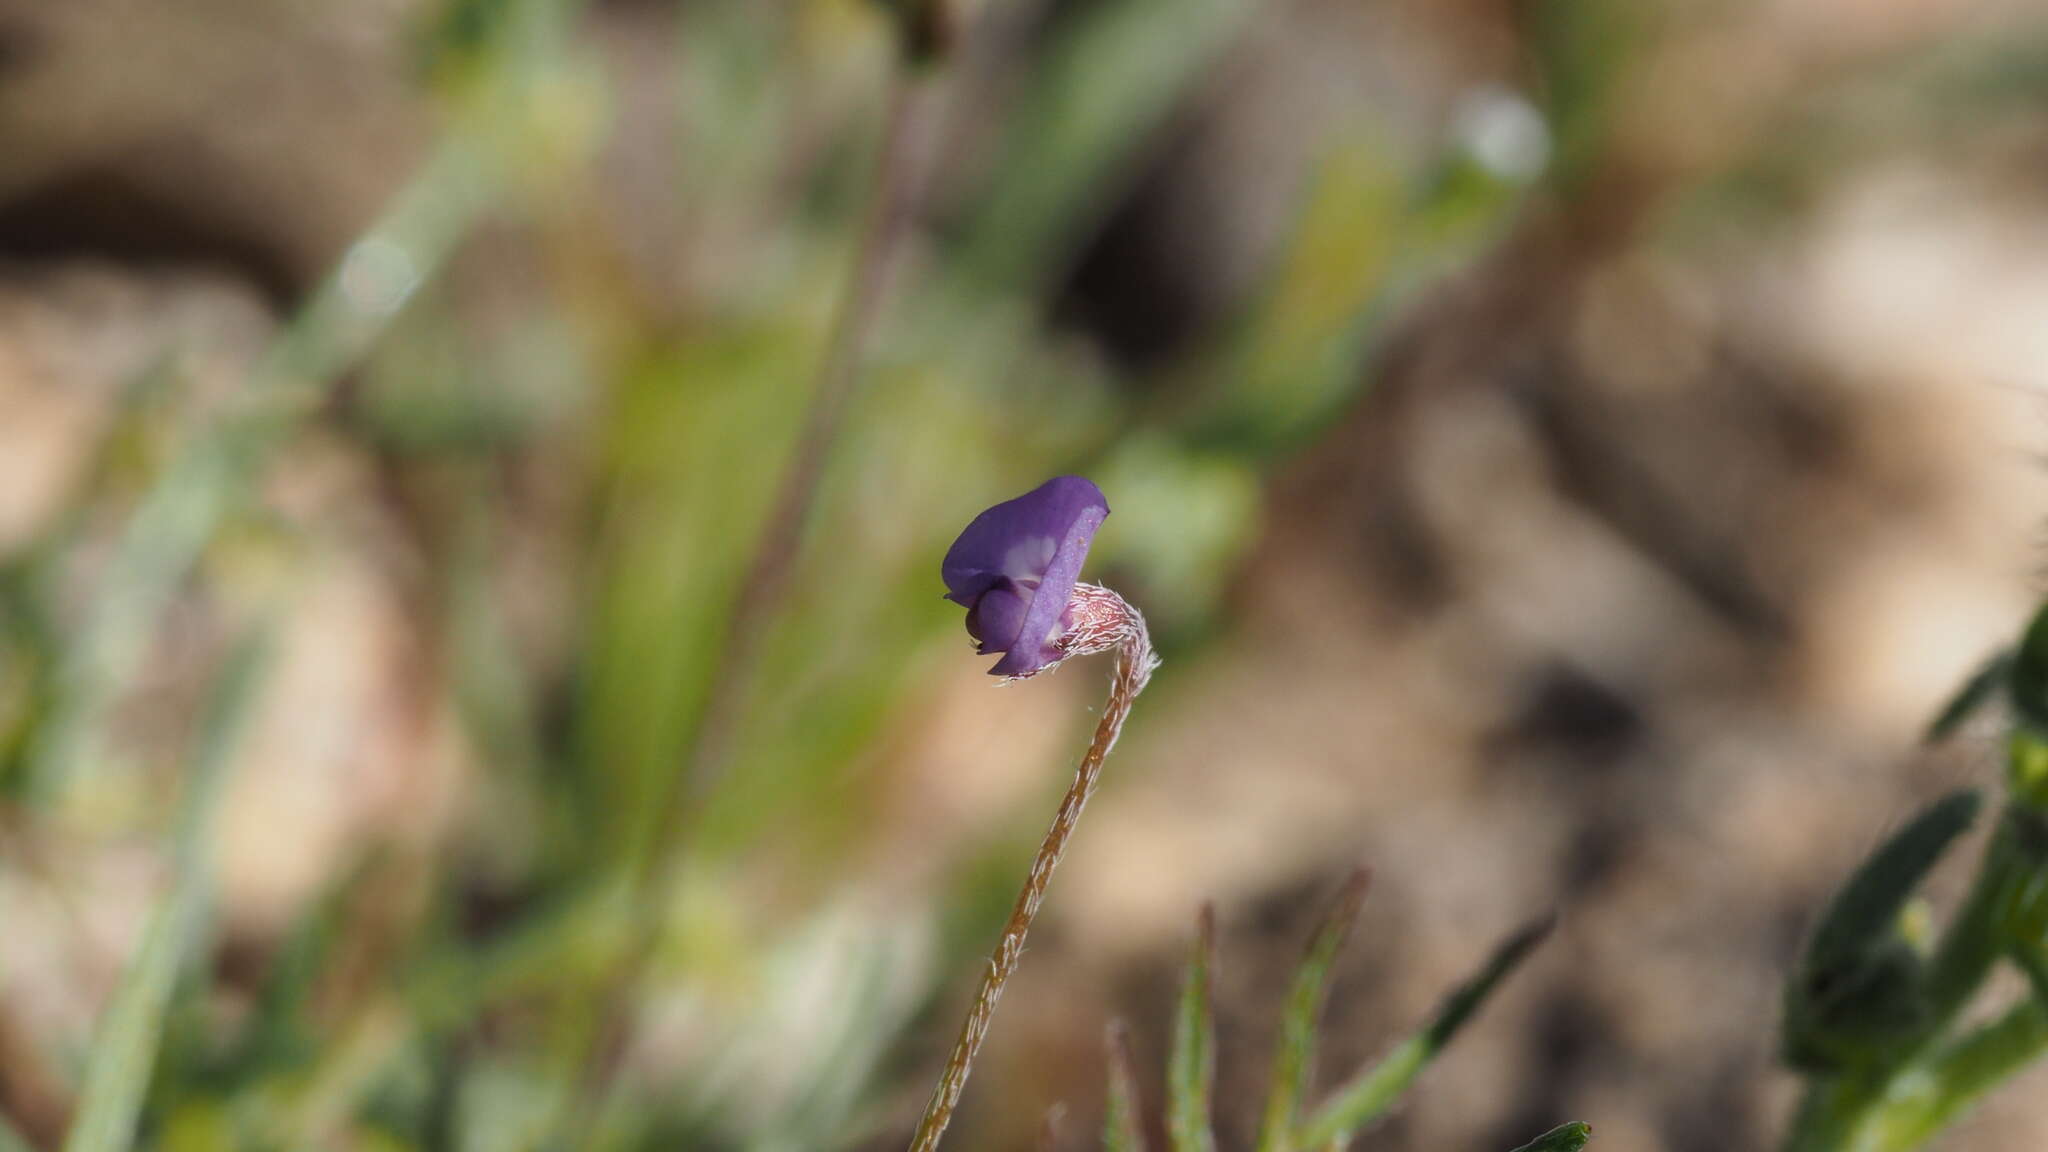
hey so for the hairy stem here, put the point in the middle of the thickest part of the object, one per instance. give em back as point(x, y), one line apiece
point(1135, 662)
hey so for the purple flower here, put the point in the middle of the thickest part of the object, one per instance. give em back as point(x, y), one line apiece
point(1014, 568)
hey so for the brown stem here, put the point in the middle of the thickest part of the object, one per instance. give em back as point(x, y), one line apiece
point(1135, 662)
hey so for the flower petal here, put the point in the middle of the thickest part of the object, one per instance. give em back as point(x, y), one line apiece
point(996, 618)
point(1020, 539)
point(1033, 648)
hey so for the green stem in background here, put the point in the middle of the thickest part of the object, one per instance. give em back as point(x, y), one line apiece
point(118, 1070)
point(1294, 1054)
point(1831, 1110)
point(1368, 1095)
point(1921, 1101)
point(1134, 664)
point(1191, 1069)
point(1902, 1109)
point(1122, 1130)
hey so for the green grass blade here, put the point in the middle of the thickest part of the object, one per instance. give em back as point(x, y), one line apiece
point(1121, 1131)
point(1867, 908)
point(1192, 1069)
point(1369, 1094)
point(1294, 1055)
point(208, 480)
point(1563, 1138)
point(1106, 85)
point(1979, 690)
point(118, 1070)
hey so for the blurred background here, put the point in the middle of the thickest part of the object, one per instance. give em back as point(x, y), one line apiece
point(1566, 451)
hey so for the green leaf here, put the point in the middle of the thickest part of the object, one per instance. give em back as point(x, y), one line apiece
point(1976, 691)
point(1860, 986)
point(118, 1069)
point(1867, 908)
point(1121, 1131)
point(1940, 1086)
point(1563, 1138)
point(2029, 677)
point(1294, 1056)
point(1369, 1094)
point(1192, 1069)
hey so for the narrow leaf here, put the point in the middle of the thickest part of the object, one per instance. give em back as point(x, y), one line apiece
point(1563, 1138)
point(1369, 1094)
point(2028, 678)
point(1977, 691)
point(1121, 1130)
point(1192, 1069)
point(2028, 957)
point(1866, 910)
point(118, 1069)
point(1860, 989)
point(1294, 1055)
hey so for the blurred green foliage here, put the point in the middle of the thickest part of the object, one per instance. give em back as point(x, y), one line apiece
point(443, 1002)
point(1878, 1016)
point(454, 999)
point(1360, 1101)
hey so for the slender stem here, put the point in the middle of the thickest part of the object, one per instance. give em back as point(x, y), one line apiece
point(1135, 662)
point(1954, 1078)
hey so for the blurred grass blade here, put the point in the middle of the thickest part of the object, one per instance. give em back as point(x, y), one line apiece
point(1191, 1071)
point(1121, 1129)
point(211, 477)
point(12, 1141)
point(118, 1069)
point(1294, 1055)
point(2028, 957)
point(1369, 1094)
point(1563, 1138)
point(2028, 676)
point(1106, 86)
point(1976, 692)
